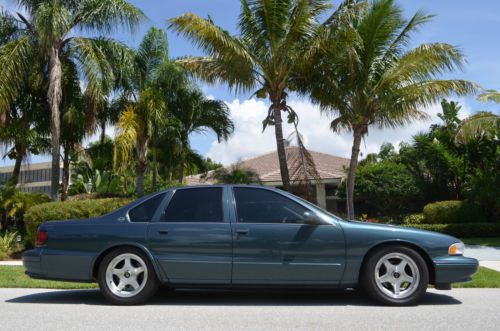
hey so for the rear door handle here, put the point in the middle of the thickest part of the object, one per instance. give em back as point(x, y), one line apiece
point(163, 232)
point(242, 232)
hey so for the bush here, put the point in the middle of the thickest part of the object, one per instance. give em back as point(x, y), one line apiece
point(414, 219)
point(65, 210)
point(454, 211)
point(7, 244)
point(462, 230)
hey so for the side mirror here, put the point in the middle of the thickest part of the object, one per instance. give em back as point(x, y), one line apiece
point(311, 218)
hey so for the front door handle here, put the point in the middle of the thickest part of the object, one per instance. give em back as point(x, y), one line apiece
point(163, 232)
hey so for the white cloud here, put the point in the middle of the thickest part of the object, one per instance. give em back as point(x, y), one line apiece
point(248, 139)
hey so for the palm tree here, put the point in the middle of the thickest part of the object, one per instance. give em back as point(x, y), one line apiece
point(192, 112)
point(235, 174)
point(152, 84)
point(50, 31)
point(378, 82)
point(275, 38)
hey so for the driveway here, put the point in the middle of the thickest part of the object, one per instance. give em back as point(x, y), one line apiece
point(459, 309)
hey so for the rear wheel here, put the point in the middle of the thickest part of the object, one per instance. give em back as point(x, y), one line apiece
point(396, 275)
point(127, 277)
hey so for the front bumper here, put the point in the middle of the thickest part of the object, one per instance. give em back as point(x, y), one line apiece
point(454, 269)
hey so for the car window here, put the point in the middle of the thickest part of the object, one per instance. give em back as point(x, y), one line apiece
point(145, 211)
point(263, 206)
point(195, 205)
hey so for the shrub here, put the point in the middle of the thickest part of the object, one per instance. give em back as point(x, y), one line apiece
point(65, 210)
point(7, 244)
point(454, 211)
point(462, 230)
point(413, 219)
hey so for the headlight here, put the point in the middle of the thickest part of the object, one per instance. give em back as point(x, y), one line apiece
point(456, 249)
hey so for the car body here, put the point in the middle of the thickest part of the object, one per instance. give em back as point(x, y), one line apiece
point(229, 236)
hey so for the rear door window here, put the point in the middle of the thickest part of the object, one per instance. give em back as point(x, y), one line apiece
point(195, 205)
point(145, 211)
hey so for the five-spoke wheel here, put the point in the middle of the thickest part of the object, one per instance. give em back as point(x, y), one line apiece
point(395, 275)
point(126, 276)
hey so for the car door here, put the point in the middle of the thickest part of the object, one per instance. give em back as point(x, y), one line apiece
point(274, 244)
point(192, 238)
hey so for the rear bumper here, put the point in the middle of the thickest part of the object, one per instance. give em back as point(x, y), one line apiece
point(32, 261)
point(455, 269)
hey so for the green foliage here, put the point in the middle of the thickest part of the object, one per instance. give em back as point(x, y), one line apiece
point(235, 174)
point(413, 219)
point(386, 186)
point(66, 210)
point(461, 230)
point(14, 277)
point(7, 244)
point(454, 211)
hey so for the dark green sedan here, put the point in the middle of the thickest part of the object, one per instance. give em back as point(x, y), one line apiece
point(236, 236)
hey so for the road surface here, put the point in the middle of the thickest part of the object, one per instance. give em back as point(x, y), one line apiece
point(38, 309)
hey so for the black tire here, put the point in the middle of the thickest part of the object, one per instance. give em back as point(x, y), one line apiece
point(372, 288)
point(148, 290)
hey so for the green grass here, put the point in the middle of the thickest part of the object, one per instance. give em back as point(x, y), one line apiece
point(485, 278)
point(493, 241)
point(13, 276)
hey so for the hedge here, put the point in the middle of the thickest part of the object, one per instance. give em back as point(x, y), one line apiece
point(463, 230)
point(66, 210)
point(453, 211)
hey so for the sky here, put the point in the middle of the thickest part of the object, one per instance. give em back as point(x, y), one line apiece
point(473, 26)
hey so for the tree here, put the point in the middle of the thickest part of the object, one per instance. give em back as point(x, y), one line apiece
point(235, 174)
point(276, 38)
point(154, 81)
point(51, 32)
point(378, 82)
point(191, 113)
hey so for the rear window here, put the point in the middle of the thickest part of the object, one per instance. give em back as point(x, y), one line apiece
point(195, 205)
point(146, 210)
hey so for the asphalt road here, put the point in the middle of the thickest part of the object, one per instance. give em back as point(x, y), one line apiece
point(459, 309)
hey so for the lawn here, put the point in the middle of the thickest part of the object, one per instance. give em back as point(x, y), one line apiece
point(493, 242)
point(13, 276)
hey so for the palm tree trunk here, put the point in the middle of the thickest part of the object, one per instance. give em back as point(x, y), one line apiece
point(353, 164)
point(181, 171)
point(280, 142)
point(142, 165)
point(155, 172)
point(17, 166)
point(103, 132)
point(54, 97)
point(65, 180)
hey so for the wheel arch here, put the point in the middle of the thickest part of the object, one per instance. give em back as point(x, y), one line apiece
point(423, 253)
point(97, 261)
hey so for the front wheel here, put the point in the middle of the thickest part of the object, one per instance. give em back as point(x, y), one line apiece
point(396, 275)
point(126, 277)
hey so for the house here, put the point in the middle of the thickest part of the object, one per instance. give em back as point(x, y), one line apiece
point(33, 177)
point(330, 171)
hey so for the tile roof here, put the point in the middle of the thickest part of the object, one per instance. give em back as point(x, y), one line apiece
point(267, 166)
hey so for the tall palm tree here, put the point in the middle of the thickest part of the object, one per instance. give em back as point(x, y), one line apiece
point(154, 81)
point(192, 112)
point(50, 30)
point(378, 81)
point(275, 38)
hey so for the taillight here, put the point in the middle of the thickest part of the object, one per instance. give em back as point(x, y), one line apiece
point(41, 237)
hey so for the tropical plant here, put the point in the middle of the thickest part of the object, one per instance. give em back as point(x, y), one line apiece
point(234, 174)
point(276, 38)
point(7, 244)
point(191, 113)
point(153, 83)
point(479, 125)
point(50, 33)
point(378, 81)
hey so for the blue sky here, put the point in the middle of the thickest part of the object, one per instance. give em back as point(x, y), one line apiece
point(474, 26)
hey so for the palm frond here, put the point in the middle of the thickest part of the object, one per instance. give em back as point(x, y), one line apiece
point(482, 124)
point(490, 95)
